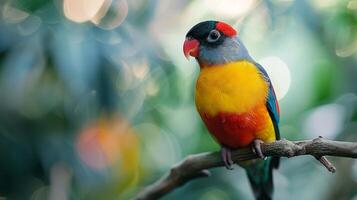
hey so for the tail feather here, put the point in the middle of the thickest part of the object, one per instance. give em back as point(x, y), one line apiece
point(260, 175)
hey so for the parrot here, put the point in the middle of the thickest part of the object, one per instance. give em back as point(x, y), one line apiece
point(236, 100)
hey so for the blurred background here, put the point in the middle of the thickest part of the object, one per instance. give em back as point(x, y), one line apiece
point(96, 97)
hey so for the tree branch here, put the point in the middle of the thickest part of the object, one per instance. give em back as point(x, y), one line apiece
point(195, 166)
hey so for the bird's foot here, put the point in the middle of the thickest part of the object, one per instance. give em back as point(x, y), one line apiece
point(257, 148)
point(226, 155)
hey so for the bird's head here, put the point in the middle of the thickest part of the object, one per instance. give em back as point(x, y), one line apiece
point(213, 42)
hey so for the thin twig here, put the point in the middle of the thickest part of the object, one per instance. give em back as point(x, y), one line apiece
point(329, 166)
point(195, 166)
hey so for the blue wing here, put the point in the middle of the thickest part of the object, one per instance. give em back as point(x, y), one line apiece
point(272, 102)
point(273, 109)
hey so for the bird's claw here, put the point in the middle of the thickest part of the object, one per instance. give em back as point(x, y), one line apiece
point(227, 157)
point(257, 149)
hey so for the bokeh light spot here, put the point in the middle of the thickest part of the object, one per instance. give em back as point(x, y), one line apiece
point(13, 15)
point(60, 178)
point(229, 8)
point(279, 74)
point(347, 50)
point(106, 142)
point(81, 10)
point(152, 88)
point(140, 69)
point(352, 5)
point(30, 25)
point(111, 16)
point(324, 3)
point(326, 121)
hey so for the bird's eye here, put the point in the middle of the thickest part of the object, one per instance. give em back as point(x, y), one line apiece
point(213, 36)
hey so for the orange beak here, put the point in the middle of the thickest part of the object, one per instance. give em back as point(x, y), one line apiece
point(191, 48)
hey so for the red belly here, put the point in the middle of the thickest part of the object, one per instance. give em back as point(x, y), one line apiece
point(236, 130)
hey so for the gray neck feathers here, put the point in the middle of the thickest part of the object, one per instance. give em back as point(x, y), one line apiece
point(232, 49)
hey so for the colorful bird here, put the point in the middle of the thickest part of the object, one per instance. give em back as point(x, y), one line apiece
point(235, 99)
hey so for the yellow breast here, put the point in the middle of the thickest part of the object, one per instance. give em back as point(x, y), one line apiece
point(235, 87)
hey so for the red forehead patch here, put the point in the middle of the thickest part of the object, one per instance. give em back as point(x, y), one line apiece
point(226, 29)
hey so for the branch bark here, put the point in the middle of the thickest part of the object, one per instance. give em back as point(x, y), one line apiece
point(195, 166)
